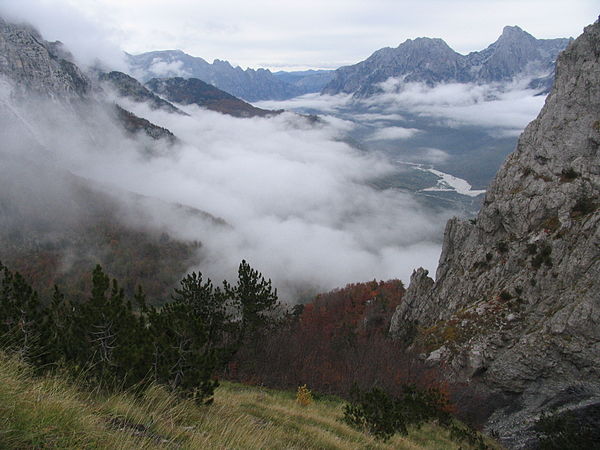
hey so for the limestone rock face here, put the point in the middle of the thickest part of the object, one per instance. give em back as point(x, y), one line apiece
point(39, 66)
point(516, 299)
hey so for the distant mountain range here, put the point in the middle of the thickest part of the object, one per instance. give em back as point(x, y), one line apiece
point(251, 85)
point(515, 54)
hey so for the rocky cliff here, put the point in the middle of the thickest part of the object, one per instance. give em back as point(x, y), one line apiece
point(38, 78)
point(516, 300)
point(431, 61)
point(37, 66)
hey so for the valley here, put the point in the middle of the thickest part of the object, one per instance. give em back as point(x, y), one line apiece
point(408, 242)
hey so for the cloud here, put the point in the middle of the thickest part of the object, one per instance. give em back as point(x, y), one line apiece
point(430, 155)
point(393, 133)
point(165, 69)
point(266, 33)
point(503, 108)
point(88, 39)
point(378, 117)
point(297, 200)
point(315, 101)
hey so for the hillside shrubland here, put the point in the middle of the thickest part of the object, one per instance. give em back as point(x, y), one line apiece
point(108, 343)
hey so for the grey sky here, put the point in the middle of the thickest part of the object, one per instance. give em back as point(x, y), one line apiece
point(292, 34)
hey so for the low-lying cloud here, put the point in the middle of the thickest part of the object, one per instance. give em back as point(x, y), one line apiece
point(297, 200)
point(393, 133)
point(323, 103)
point(506, 108)
point(161, 68)
point(503, 109)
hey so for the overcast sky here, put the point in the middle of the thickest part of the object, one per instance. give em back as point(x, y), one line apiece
point(292, 34)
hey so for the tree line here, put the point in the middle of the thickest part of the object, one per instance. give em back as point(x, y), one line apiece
point(109, 339)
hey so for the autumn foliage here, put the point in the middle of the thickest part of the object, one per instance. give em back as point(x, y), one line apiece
point(334, 343)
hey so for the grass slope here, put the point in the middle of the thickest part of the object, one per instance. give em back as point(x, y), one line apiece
point(51, 413)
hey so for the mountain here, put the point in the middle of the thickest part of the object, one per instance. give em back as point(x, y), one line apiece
point(37, 66)
point(431, 61)
point(251, 85)
point(307, 81)
point(126, 86)
point(195, 91)
point(515, 305)
point(55, 225)
point(32, 66)
point(514, 53)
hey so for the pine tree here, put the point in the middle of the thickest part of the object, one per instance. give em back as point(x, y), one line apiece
point(254, 298)
point(21, 315)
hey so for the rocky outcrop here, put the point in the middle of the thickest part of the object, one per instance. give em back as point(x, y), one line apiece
point(38, 66)
point(194, 91)
point(34, 72)
point(516, 300)
point(431, 61)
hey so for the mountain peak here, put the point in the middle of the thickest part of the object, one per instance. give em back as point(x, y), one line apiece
point(432, 61)
point(512, 29)
point(425, 42)
point(513, 33)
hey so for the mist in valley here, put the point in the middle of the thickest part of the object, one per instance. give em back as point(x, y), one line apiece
point(299, 200)
point(295, 201)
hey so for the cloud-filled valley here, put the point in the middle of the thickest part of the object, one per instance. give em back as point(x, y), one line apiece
point(297, 201)
point(302, 201)
point(502, 108)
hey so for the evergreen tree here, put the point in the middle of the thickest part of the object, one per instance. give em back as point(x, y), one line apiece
point(21, 315)
point(182, 356)
point(254, 297)
point(109, 332)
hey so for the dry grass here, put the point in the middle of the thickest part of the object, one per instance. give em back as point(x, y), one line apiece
point(50, 413)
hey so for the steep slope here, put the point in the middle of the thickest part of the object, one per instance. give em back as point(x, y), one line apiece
point(516, 304)
point(55, 226)
point(29, 66)
point(194, 91)
point(134, 125)
point(38, 66)
point(515, 52)
point(431, 61)
point(251, 85)
point(126, 86)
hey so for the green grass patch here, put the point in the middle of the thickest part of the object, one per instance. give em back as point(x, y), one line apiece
point(51, 412)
